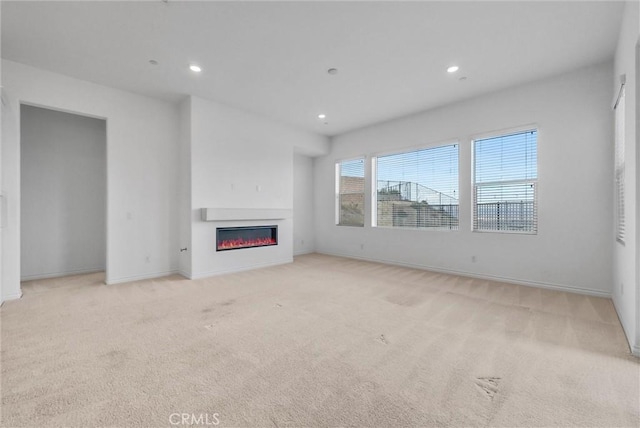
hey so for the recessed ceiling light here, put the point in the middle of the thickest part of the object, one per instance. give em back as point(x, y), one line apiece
point(322, 116)
point(195, 68)
point(332, 71)
point(453, 69)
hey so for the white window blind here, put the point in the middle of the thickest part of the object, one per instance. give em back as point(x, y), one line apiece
point(418, 189)
point(619, 168)
point(505, 180)
point(350, 192)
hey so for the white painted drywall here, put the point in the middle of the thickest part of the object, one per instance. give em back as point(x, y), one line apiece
point(185, 189)
point(626, 285)
point(572, 249)
point(240, 160)
point(63, 179)
point(303, 210)
point(2, 204)
point(142, 172)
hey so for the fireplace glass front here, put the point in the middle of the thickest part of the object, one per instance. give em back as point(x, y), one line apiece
point(235, 238)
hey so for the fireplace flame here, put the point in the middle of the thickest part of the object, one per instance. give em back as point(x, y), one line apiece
point(241, 243)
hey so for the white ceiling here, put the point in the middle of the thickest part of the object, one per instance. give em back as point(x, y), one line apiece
point(271, 58)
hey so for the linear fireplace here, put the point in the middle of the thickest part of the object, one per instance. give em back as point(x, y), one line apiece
point(235, 238)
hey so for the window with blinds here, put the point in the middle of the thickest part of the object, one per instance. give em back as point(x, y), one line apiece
point(619, 168)
point(350, 192)
point(505, 181)
point(418, 189)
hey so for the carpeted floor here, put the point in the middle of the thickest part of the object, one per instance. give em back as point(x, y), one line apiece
point(324, 341)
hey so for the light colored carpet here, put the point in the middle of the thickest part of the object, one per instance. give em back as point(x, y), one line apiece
point(324, 341)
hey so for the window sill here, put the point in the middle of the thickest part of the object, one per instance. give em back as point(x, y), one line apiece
point(420, 229)
point(507, 232)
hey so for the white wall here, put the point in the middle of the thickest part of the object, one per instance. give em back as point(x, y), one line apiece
point(185, 189)
point(142, 172)
point(572, 249)
point(64, 193)
point(626, 285)
point(303, 209)
point(240, 160)
point(2, 204)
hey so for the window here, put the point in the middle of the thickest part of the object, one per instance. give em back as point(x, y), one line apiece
point(418, 189)
point(350, 192)
point(505, 180)
point(619, 167)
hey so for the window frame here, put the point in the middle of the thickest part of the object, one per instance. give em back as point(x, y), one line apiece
point(619, 168)
point(474, 186)
point(400, 151)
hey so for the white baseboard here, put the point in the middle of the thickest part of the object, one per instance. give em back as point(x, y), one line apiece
point(185, 274)
point(635, 349)
point(13, 296)
point(303, 252)
point(60, 274)
point(141, 277)
point(537, 284)
point(240, 269)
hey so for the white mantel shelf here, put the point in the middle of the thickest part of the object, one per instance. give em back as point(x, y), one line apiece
point(235, 214)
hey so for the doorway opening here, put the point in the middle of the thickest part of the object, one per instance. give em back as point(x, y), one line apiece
point(63, 191)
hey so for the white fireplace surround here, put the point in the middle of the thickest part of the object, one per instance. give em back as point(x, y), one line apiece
point(243, 214)
point(206, 261)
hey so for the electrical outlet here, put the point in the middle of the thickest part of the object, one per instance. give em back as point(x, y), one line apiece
point(302, 242)
point(147, 259)
point(473, 259)
point(362, 246)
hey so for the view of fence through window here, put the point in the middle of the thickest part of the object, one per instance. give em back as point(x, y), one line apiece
point(418, 189)
point(350, 192)
point(505, 179)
